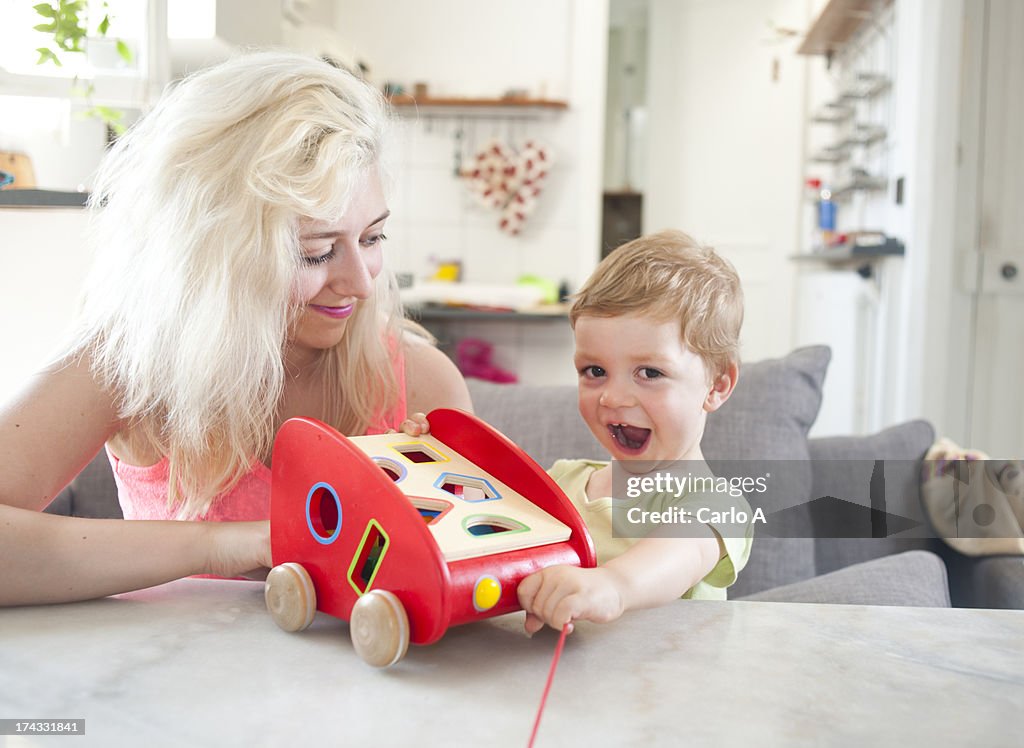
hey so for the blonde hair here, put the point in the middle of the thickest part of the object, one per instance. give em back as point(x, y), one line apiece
point(195, 218)
point(671, 277)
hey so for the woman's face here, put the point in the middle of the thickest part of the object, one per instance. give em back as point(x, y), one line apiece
point(340, 260)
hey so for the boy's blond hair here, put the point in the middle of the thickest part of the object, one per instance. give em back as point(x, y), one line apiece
point(671, 277)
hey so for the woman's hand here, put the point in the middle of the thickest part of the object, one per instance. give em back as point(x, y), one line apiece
point(237, 548)
point(561, 594)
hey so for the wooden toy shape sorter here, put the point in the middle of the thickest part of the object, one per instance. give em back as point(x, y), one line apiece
point(405, 536)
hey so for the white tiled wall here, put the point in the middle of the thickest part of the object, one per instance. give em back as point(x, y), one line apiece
point(436, 217)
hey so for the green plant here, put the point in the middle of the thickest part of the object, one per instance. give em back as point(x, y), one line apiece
point(67, 22)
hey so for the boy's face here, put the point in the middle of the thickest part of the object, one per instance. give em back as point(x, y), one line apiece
point(642, 392)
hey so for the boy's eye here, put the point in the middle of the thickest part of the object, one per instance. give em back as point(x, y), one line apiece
point(592, 372)
point(649, 373)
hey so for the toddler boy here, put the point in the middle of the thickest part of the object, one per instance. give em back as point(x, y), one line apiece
point(657, 335)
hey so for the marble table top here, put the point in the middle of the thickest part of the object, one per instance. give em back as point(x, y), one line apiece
point(200, 662)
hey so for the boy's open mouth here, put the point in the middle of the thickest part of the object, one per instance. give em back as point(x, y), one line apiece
point(629, 437)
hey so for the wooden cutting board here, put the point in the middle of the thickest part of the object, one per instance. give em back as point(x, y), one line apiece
point(20, 165)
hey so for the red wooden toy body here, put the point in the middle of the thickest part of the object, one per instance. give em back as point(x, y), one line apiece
point(339, 515)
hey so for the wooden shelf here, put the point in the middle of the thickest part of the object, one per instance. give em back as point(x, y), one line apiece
point(857, 251)
point(406, 101)
point(838, 21)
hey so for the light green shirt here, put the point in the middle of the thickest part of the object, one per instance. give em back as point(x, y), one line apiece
point(572, 477)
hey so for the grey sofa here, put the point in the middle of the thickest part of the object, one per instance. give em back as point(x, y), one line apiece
point(764, 427)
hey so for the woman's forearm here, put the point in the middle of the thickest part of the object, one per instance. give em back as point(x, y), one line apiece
point(48, 559)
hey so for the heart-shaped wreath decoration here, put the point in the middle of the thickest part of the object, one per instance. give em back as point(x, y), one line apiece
point(509, 181)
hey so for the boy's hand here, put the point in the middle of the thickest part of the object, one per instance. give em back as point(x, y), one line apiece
point(415, 425)
point(560, 594)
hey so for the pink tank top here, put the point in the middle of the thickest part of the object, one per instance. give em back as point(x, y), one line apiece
point(142, 491)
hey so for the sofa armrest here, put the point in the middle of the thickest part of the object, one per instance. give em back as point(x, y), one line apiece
point(914, 578)
point(998, 582)
point(844, 467)
point(904, 444)
point(93, 492)
point(62, 502)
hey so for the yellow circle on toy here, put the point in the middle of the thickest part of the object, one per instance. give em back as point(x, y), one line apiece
point(486, 593)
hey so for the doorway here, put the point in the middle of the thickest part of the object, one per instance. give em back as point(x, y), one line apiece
point(625, 124)
point(995, 222)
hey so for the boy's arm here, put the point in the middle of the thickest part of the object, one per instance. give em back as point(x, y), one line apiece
point(657, 570)
point(654, 571)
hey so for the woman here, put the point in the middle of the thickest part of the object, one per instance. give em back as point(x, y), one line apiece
point(239, 282)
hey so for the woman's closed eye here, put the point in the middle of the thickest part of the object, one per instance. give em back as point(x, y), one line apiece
point(367, 243)
point(313, 260)
point(373, 240)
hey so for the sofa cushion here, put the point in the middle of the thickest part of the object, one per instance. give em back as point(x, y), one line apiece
point(915, 578)
point(771, 410)
point(543, 421)
point(762, 430)
point(843, 468)
point(774, 562)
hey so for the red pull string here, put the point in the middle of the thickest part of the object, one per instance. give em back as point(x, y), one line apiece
point(547, 686)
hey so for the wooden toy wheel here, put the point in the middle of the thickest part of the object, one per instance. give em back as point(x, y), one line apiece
point(380, 628)
point(290, 596)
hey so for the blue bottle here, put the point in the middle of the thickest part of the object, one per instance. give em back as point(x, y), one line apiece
point(826, 217)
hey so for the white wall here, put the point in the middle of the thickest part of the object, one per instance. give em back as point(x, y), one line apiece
point(64, 146)
point(726, 143)
point(553, 49)
point(44, 263)
point(463, 48)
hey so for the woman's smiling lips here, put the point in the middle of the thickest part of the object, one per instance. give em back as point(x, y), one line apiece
point(334, 312)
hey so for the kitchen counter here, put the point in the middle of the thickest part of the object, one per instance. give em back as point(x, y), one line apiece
point(543, 313)
point(42, 199)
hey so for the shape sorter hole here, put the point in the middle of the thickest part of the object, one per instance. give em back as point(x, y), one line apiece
point(323, 512)
point(368, 558)
point(392, 468)
point(480, 524)
point(466, 487)
point(419, 453)
point(432, 510)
